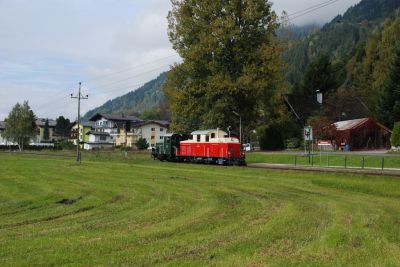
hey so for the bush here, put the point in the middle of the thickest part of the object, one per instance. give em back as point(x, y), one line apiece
point(395, 139)
point(275, 135)
point(142, 144)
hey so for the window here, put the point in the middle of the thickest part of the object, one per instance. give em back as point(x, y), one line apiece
point(103, 138)
point(198, 138)
point(161, 129)
point(153, 129)
point(213, 135)
point(153, 138)
point(161, 137)
point(207, 138)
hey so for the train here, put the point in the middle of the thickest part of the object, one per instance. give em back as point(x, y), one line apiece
point(204, 146)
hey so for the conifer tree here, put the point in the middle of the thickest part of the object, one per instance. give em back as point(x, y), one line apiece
point(389, 102)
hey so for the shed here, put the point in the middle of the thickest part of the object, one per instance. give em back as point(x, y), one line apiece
point(359, 134)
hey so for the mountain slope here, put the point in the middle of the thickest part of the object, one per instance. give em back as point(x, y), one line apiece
point(146, 97)
point(340, 37)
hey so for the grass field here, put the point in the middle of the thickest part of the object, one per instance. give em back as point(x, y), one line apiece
point(112, 211)
point(336, 160)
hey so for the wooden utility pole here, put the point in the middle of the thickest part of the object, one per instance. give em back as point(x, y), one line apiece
point(78, 146)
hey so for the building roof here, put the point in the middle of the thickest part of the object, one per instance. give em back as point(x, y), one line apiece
point(40, 122)
point(160, 123)
point(2, 125)
point(114, 117)
point(85, 123)
point(98, 133)
point(352, 124)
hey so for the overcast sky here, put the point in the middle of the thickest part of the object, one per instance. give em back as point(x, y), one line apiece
point(113, 47)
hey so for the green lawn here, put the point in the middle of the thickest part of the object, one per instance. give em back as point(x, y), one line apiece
point(111, 211)
point(332, 160)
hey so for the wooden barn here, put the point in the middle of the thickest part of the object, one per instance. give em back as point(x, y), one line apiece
point(361, 134)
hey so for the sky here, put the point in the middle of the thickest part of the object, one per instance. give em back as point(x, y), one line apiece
point(48, 46)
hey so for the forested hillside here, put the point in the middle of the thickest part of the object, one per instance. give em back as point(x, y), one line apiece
point(147, 97)
point(349, 60)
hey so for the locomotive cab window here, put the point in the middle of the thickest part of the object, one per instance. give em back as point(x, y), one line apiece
point(198, 138)
point(213, 135)
point(207, 138)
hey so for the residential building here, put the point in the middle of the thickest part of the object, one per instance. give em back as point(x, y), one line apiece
point(84, 128)
point(98, 140)
point(38, 139)
point(125, 130)
point(117, 126)
point(3, 141)
point(152, 130)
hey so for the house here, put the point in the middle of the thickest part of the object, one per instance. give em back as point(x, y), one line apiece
point(98, 140)
point(117, 126)
point(365, 133)
point(38, 139)
point(3, 141)
point(151, 130)
point(125, 130)
point(84, 128)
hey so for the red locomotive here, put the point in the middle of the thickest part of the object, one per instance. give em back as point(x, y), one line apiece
point(208, 146)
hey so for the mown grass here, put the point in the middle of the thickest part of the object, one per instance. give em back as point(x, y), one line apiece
point(331, 160)
point(145, 213)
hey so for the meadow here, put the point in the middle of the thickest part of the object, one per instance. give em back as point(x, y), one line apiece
point(113, 211)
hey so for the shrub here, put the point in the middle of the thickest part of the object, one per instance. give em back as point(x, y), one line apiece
point(395, 139)
point(142, 144)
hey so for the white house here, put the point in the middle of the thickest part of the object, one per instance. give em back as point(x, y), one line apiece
point(3, 141)
point(152, 130)
point(98, 140)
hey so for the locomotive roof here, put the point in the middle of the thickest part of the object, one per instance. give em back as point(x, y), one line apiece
point(201, 132)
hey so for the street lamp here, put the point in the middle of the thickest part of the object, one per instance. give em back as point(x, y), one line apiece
point(240, 125)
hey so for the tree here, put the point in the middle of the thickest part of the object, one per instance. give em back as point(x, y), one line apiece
point(151, 114)
point(20, 125)
point(46, 132)
point(320, 75)
point(395, 138)
point(388, 110)
point(142, 144)
point(62, 127)
point(231, 62)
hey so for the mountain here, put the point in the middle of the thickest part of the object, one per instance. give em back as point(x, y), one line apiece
point(340, 37)
point(148, 96)
point(348, 60)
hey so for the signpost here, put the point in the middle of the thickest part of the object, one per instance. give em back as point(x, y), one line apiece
point(308, 138)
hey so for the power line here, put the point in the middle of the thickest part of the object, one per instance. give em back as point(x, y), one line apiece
point(129, 78)
point(311, 7)
point(310, 10)
point(128, 69)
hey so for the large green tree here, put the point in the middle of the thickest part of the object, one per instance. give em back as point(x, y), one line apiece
point(231, 62)
point(20, 125)
point(388, 110)
point(62, 127)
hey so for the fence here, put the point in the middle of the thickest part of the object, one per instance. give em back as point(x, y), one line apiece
point(388, 162)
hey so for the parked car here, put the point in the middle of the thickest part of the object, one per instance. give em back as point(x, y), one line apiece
point(248, 147)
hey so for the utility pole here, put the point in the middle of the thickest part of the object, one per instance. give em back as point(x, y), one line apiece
point(78, 146)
